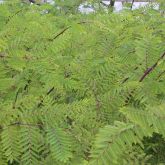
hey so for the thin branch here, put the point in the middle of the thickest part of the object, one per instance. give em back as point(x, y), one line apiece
point(60, 33)
point(162, 73)
point(21, 124)
point(149, 70)
point(146, 73)
point(10, 17)
point(27, 85)
point(50, 91)
point(25, 124)
point(97, 100)
point(42, 100)
point(64, 30)
point(146, 60)
point(127, 78)
point(16, 97)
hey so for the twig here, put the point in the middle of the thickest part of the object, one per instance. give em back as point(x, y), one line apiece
point(25, 124)
point(60, 33)
point(21, 124)
point(97, 100)
point(48, 93)
point(51, 90)
point(127, 78)
point(16, 97)
point(149, 70)
point(10, 17)
point(64, 30)
point(26, 86)
point(163, 72)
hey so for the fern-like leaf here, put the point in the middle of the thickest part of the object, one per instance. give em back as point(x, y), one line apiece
point(60, 144)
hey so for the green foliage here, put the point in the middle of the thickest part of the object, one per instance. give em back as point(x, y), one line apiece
point(112, 141)
point(62, 78)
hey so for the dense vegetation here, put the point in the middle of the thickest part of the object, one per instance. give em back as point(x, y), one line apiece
point(81, 89)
